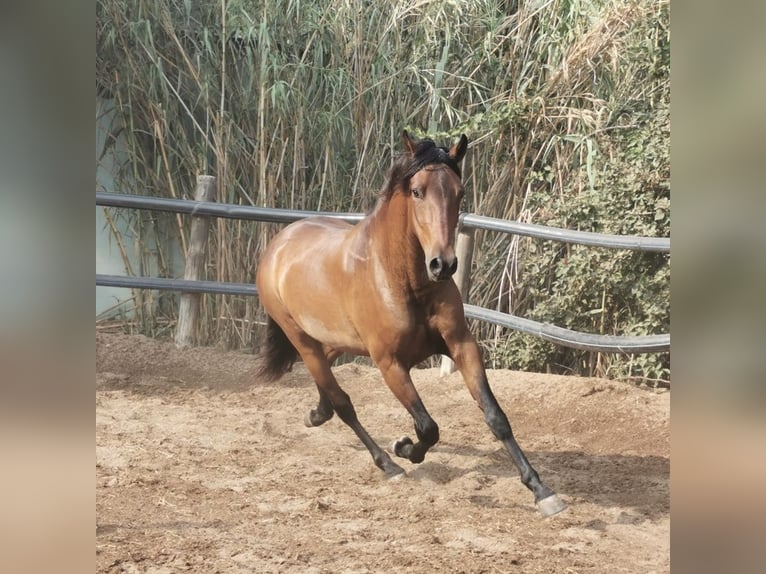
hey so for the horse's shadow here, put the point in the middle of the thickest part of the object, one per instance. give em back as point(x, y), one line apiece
point(641, 483)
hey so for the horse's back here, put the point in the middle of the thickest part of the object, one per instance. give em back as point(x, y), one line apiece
point(303, 242)
point(308, 247)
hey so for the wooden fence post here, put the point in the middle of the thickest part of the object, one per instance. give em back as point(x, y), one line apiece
point(188, 308)
point(464, 252)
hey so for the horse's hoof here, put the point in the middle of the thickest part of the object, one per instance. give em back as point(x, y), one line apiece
point(396, 474)
point(315, 419)
point(551, 505)
point(399, 445)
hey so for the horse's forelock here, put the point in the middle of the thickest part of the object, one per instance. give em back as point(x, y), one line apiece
point(405, 166)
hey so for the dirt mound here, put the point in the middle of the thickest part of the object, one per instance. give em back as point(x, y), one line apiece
point(201, 468)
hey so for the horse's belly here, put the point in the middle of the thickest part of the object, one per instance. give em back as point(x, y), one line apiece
point(333, 333)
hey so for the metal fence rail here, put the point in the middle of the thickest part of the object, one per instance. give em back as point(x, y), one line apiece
point(636, 243)
point(182, 285)
point(226, 210)
point(559, 335)
point(572, 339)
point(553, 333)
point(468, 220)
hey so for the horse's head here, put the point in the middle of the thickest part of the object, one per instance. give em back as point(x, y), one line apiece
point(434, 191)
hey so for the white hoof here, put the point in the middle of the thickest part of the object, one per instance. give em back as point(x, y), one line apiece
point(551, 505)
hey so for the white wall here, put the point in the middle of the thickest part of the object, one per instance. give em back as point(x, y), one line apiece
point(108, 257)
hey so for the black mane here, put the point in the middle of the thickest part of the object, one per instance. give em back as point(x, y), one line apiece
point(406, 165)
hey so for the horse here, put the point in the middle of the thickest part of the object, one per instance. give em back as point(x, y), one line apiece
point(383, 288)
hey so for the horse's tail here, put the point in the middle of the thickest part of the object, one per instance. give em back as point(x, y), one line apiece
point(278, 354)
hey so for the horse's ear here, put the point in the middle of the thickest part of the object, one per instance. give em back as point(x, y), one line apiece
point(457, 151)
point(410, 144)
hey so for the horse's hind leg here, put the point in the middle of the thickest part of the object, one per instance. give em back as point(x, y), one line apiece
point(330, 393)
point(322, 413)
point(324, 410)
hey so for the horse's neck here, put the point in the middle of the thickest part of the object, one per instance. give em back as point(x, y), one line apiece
point(396, 246)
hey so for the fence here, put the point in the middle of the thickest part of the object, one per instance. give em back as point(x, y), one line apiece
point(468, 224)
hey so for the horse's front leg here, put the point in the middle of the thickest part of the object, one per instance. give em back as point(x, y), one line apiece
point(398, 379)
point(465, 352)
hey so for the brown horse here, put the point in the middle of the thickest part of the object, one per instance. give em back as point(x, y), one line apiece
point(383, 288)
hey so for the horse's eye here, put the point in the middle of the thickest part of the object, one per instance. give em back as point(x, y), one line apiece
point(416, 193)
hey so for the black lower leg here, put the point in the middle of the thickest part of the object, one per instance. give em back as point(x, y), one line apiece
point(347, 414)
point(427, 432)
point(468, 358)
point(501, 428)
point(322, 413)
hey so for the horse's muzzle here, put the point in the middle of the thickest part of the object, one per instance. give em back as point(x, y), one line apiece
point(440, 269)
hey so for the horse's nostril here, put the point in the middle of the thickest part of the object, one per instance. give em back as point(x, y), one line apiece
point(441, 269)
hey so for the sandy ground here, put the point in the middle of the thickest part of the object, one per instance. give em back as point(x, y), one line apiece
point(202, 468)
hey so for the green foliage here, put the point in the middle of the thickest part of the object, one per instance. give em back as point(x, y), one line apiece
point(300, 104)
